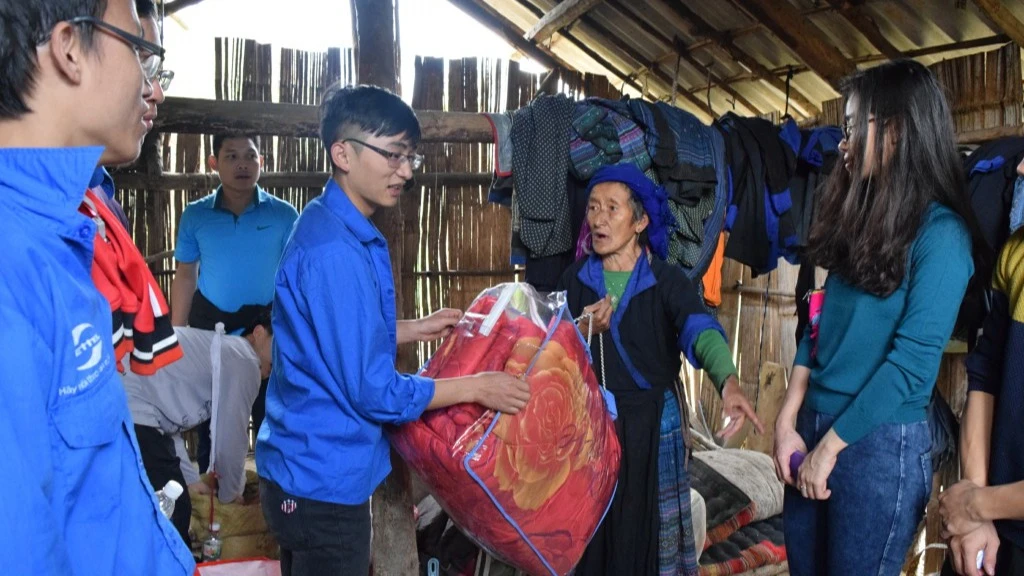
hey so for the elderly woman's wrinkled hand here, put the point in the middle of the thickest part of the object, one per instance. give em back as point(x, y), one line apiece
point(601, 318)
point(737, 409)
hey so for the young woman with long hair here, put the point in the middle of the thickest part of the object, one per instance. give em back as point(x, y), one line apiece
point(895, 230)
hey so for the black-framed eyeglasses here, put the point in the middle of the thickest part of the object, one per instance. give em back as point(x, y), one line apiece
point(394, 159)
point(163, 78)
point(151, 56)
point(848, 128)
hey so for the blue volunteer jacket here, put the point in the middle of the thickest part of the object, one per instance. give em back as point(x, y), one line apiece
point(74, 498)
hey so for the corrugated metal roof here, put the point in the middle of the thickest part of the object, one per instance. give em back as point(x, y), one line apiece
point(908, 25)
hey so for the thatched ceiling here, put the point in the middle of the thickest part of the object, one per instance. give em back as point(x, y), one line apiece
point(746, 47)
point(743, 49)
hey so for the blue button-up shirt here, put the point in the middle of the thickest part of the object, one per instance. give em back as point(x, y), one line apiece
point(334, 381)
point(74, 498)
point(237, 255)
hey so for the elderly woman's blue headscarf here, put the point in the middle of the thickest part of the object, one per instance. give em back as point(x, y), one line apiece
point(652, 196)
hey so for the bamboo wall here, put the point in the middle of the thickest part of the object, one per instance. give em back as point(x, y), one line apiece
point(460, 243)
point(244, 70)
point(984, 91)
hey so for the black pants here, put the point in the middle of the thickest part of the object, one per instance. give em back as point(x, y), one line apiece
point(317, 538)
point(205, 316)
point(161, 464)
point(1009, 560)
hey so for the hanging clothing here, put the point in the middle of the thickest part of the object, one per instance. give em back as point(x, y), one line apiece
point(501, 133)
point(605, 134)
point(991, 179)
point(819, 151)
point(759, 220)
point(689, 160)
point(712, 279)
point(141, 319)
point(540, 168)
point(543, 272)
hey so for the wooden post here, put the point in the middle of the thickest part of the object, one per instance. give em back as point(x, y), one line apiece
point(376, 56)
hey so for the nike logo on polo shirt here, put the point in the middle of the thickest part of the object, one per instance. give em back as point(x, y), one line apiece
point(258, 228)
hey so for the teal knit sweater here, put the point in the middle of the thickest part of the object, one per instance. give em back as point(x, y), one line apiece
point(878, 358)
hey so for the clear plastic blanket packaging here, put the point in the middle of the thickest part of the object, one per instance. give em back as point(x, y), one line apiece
point(529, 488)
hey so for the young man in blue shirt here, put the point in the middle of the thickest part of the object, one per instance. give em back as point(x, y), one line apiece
point(322, 451)
point(73, 496)
point(228, 248)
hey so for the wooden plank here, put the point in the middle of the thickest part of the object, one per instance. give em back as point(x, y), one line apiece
point(700, 27)
point(586, 49)
point(209, 181)
point(860, 17)
point(801, 36)
point(989, 134)
point(202, 116)
point(633, 53)
point(678, 47)
point(1003, 18)
point(561, 16)
point(394, 542)
point(492, 19)
point(773, 383)
point(178, 5)
point(870, 58)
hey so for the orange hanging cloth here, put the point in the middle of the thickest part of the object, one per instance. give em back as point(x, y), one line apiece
point(713, 277)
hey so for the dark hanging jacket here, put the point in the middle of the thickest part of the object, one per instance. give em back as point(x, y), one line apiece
point(689, 159)
point(761, 165)
point(991, 172)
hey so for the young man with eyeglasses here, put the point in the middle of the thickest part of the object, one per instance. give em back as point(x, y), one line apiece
point(161, 81)
point(321, 451)
point(73, 496)
point(140, 316)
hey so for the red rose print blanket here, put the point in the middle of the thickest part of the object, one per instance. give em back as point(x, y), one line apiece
point(530, 488)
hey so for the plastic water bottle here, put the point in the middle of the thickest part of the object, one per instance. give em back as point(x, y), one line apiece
point(212, 545)
point(167, 496)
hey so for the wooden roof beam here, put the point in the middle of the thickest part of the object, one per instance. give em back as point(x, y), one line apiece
point(802, 37)
point(700, 27)
point(178, 5)
point(679, 49)
point(600, 60)
point(561, 16)
point(999, 14)
point(987, 41)
point(644, 61)
point(856, 13)
point(628, 79)
point(484, 14)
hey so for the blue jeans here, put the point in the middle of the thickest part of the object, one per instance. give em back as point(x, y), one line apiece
point(880, 487)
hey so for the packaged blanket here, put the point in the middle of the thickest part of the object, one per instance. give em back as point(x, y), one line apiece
point(529, 488)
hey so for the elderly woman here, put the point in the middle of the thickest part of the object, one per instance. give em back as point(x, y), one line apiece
point(651, 312)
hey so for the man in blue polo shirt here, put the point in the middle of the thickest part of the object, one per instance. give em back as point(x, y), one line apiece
point(322, 451)
point(229, 245)
point(73, 496)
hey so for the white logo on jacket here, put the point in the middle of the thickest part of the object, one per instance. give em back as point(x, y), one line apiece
point(88, 357)
point(89, 345)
